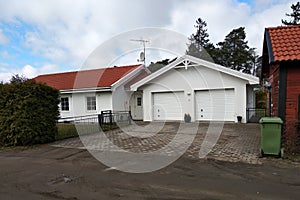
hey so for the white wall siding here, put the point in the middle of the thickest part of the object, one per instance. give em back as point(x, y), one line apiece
point(78, 104)
point(191, 80)
point(104, 101)
point(121, 99)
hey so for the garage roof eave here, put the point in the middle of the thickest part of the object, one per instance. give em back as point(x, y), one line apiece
point(252, 80)
point(256, 82)
point(138, 84)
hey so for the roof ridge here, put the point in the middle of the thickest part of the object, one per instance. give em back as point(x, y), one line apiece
point(87, 70)
point(284, 27)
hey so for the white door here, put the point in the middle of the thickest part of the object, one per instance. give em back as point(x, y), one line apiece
point(168, 106)
point(137, 106)
point(215, 105)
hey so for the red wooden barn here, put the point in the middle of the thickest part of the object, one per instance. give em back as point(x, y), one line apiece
point(281, 73)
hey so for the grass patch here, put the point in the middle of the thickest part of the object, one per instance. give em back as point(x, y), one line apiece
point(69, 130)
point(65, 131)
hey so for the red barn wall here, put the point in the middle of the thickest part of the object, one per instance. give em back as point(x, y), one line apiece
point(292, 93)
point(274, 79)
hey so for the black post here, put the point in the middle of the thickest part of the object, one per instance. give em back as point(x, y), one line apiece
point(110, 118)
point(100, 120)
point(248, 110)
point(129, 117)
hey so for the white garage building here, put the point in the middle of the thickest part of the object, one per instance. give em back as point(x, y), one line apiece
point(204, 90)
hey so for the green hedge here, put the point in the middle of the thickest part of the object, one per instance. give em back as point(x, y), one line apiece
point(28, 113)
point(261, 99)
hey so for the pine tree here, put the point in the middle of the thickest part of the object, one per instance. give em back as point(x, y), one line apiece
point(295, 15)
point(199, 45)
point(235, 53)
point(18, 79)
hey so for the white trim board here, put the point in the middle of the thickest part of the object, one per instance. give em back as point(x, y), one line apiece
point(189, 61)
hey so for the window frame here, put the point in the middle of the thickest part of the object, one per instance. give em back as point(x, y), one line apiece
point(139, 101)
point(63, 105)
point(91, 103)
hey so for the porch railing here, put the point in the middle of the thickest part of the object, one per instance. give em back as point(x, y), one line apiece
point(88, 119)
point(255, 114)
point(109, 117)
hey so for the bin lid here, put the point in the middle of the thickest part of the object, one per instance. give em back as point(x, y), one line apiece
point(270, 120)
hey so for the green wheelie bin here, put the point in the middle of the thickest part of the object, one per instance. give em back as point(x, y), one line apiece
point(271, 136)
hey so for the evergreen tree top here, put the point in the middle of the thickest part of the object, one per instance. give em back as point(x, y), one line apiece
point(295, 15)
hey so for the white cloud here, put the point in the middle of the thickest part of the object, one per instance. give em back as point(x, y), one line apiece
point(223, 16)
point(48, 68)
point(270, 17)
point(30, 71)
point(27, 71)
point(5, 76)
point(261, 5)
point(121, 50)
point(67, 32)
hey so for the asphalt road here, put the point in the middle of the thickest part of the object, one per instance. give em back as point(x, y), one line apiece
point(46, 172)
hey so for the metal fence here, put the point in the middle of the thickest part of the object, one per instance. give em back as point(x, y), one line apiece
point(108, 117)
point(254, 114)
point(87, 119)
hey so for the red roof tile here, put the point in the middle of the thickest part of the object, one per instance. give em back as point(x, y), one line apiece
point(104, 77)
point(285, 42)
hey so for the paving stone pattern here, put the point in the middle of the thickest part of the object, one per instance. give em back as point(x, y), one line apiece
point(237, 143)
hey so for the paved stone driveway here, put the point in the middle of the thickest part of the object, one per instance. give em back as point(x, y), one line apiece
point(237, 143)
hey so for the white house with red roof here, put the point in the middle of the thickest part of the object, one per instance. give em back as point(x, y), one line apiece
point(189, 85)
point(89, 92)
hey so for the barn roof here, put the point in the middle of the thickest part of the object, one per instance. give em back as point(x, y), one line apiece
point(282, 43)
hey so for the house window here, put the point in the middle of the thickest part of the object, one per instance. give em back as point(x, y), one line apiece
point(64, 103)
point(91, 103)
point(139, 101)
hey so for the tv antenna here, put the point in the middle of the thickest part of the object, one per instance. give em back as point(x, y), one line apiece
point(143, 53)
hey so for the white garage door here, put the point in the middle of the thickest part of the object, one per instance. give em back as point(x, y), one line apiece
point(168, 106)
point(215, 105)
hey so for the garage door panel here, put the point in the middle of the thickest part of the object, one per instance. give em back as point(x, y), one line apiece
point(168, 106)
point(215, 105)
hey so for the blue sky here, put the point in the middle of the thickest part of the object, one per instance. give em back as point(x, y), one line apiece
point(16, 52)
point(38, 37)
